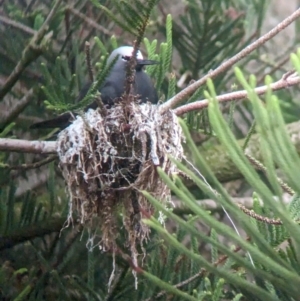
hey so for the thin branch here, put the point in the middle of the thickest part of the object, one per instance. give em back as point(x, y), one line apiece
point(258, 165)
point(88, 60)
point(249, 134)
point(220, 162)
point(44, 26)
point(29, 232)
point(30, 166)
point(284, 82)
point(31, 52)
point(90, 22)
point(32, 180)
point(201, 273)
point(260, 218)
point(16, 110)
point(29, 55)
point(274, 68)
point(213, 206)
point(25, 146)
point(17, 25)
point(171, 103)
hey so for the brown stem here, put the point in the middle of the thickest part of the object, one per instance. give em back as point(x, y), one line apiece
point(29, 232)
point(31, 52)
point(201, 273)
point(17, 25)
point(88, 60)
point(283, 83)
point(171, 103)
point(260, 218)
point(258, 165)
point(16, 110)
point(90, 22)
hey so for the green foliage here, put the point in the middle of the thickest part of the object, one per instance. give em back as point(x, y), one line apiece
point(59, 86)
point(135, 15)
point(41, 262)
point(276, 269)
point(4, 133)
point(164, 57)
point(217, 25)
point(204, 28)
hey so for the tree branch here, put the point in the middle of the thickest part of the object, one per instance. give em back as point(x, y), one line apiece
point(220, 163)
point(17, 25)
point(29, 232)
point(213, 206)
point(172, 102)
point(226, 170)
point(19, 107)
point(31, 52)
point(29, 166)
point(284, 82)
point(90, 22)
point(25, 146)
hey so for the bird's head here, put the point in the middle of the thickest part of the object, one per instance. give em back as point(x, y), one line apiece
point(124, 54)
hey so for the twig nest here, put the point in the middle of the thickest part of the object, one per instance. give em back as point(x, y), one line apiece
point(106, 159)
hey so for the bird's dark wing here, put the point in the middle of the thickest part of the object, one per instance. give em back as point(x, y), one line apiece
point(144, 87)
point(61, 121)
point(108, 93)
point(112, 88)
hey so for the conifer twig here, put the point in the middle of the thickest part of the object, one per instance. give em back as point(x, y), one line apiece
point(18, 25)
point(31, 52)
point(30, 166)
point(29, 232)
point(260, 218)
point(258, 165)
point(286, 81)
point(88, 60)
point(18, 107)
point(213, 206)
point(90, 22)
point(171, 103)
point(141, 28)
point(201, 273)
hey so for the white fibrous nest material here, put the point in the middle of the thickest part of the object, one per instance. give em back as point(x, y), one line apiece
point(107, 158)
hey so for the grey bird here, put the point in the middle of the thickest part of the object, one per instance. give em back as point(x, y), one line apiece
point(113, 86)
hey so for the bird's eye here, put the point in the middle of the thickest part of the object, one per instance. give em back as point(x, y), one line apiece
point(125, 58)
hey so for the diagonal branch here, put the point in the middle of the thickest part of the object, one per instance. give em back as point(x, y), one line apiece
point(171, 103)
point(284, 82)
point(30, 232)
point(18, 25)
point(90, 22)
point(13, 113)
point(31, 52)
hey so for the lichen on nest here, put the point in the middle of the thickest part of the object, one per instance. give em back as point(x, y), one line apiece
point(107, 157)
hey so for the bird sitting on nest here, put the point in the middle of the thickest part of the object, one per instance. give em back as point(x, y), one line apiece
point(113, 86)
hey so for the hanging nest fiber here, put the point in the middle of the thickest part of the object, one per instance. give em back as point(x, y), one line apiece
point(108, 157)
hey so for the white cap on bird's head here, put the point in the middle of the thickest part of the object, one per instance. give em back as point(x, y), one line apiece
point(124, 54)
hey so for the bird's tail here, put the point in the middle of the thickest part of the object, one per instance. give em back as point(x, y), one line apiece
point(61, 122)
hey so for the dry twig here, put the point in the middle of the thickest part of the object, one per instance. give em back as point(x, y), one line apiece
point(171, 103)
point(283, 83)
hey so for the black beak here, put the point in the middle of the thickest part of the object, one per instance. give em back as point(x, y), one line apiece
point(146, 62)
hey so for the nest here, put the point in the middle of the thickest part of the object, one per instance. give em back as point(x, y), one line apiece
point(108, 157)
